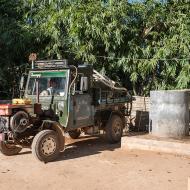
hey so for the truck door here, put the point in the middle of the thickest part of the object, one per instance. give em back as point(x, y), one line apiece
point(83, 110)
point(83, 113)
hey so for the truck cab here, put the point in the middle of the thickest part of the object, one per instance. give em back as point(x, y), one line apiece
point(61, 98)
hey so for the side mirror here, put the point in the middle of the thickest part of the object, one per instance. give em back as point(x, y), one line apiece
point(22, 82)
point(84, 84)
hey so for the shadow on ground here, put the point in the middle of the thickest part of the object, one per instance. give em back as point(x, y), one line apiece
point(86, 146)
point(83, 146)
point(26, 152)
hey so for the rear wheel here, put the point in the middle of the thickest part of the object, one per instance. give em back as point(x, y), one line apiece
point(45, 146)
point(74, 134)
point(114, 129)
point(9, 150)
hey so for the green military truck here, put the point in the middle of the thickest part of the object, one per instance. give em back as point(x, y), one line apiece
point(61, 98)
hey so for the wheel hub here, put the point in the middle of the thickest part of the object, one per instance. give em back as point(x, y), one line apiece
point(117, 128)
point(48, 146)
point(23, 122)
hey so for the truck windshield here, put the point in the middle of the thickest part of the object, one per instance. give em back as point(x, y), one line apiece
point(49, 83)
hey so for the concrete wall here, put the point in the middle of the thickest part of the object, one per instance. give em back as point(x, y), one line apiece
point(169, 113)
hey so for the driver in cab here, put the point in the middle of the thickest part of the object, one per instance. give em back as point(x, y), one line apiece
point(52, 88)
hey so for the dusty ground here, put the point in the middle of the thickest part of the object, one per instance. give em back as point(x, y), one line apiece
point(92, 164)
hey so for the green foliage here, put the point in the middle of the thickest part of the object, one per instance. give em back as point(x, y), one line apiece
point(14, 46)
point(144, 45)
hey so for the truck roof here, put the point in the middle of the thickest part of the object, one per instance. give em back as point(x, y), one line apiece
point(98, 79)
point(57, 64)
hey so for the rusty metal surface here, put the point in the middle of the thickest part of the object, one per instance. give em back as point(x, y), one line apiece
point(6, 109)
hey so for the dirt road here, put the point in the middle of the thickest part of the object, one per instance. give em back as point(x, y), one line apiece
point(92, 164)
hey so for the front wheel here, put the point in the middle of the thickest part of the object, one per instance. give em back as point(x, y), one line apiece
point(9, 150)
point(45, 146)
point(114, 129)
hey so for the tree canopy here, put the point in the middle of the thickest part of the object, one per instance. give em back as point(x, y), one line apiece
point(145, 45)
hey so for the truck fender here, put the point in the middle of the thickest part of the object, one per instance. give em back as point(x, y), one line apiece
point(58, 128)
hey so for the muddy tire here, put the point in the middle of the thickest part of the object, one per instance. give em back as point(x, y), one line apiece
point(114, 129)
point(74, 134)
point(9, 150)
point(45, 146)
